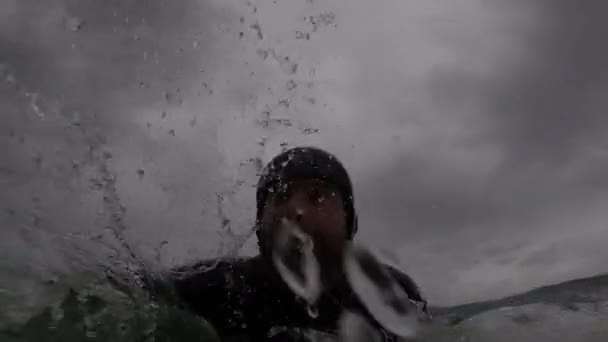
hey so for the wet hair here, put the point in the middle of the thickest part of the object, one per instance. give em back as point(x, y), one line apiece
point(306, 163)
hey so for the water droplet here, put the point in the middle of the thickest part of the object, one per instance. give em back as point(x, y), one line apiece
point(167, 96)
point(313, 311)
point(263, 53)
point(38, 158)
point(288, 66)
point(74, 23)
point(310, 100)
point(291, 85)
point(52, 280)
point(380, 292)
point(107, 155)
point(140, 173)
point(163, 115)
point(258, 29)
point(354, 328)
point(310, 130)
point(172, 132)
point(302, 35)
point(196, 44)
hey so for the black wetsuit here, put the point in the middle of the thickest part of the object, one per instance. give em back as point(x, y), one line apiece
point(244, 299)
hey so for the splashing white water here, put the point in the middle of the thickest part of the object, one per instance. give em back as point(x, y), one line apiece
point(380, 292)
point(313, 311)
point(294, 259)
point(370, 279)
point(354, 328)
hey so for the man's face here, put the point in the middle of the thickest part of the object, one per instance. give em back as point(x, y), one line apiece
point(317, 208)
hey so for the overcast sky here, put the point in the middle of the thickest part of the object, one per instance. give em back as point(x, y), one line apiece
point(474, 130)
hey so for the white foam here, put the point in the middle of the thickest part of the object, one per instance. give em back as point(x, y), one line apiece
point(375, 296)
point(310, 288)
point(354, 328)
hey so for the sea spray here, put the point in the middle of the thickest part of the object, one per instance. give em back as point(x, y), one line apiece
point(292, 254)
point(380, 292)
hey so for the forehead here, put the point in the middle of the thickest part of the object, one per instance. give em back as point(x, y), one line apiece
point(306, 184)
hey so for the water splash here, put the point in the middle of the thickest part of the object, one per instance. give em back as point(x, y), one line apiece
point(285, 63)
point(380, 292)
point(74, 24)
point(292, 254)
point(258, 30)
point(354, 328)
point(313, 311)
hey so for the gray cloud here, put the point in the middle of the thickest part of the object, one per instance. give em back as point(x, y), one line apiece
point(549, 107)
point(529, 147)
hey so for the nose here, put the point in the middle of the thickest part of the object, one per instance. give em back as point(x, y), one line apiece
point(297, 211)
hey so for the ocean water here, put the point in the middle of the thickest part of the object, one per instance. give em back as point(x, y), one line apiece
point(88, 317)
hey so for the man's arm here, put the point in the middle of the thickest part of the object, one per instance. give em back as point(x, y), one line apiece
point(231, 294)
point(206, 289)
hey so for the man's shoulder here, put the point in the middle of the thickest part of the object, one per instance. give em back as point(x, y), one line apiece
point(214, 288)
